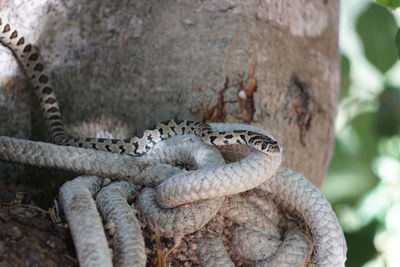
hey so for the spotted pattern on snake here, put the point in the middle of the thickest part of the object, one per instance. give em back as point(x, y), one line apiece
point(29, 58)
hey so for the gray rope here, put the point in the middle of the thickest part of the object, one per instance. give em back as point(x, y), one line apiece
point(292, 191)
point(297, 195)
point(254, 245)
point(295, 250)
point(211, 252)
point(214, 182)
point(75, 159)
point(128, 243)
point(76, 198)
point(239, 210)
point(184, 219)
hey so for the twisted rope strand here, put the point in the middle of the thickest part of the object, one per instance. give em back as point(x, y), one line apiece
point(297, 195)
point(76, 198)
point(211, 252)
point(128, 243)
point(80, 160)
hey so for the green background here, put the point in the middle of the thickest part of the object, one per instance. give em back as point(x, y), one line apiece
point(363, 182)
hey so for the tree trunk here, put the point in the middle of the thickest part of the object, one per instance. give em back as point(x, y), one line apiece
point(118, 67)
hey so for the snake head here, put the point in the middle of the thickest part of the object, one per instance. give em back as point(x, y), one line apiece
point(271, 147)
point(267, 145)
point(263, 143)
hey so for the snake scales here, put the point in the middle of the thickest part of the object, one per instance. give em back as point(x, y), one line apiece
point(246, 174)
point(29, 58)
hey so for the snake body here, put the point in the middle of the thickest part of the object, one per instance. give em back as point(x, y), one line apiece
point(29, 58)
point(210, 183)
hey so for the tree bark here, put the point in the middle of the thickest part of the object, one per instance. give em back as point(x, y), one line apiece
point(123, 66)
point(118, 67)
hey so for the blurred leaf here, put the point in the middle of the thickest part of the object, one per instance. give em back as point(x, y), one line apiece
point(392, 4)
point(361, 245)
point(377, 29)
point(348, 182)
point(387, 122)
point(345, 76)
point(364, 126)
point(350, 173)
point(398, 42)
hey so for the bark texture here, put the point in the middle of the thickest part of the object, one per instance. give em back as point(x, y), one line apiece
point(118, 67)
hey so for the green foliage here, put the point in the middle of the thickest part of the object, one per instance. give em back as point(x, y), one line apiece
point(345, 75)
point(377, 29)
point(398, 42)
point(391, 4)
point(388, 116)
point(363, 181)
point(355, 149)
point(363, 249)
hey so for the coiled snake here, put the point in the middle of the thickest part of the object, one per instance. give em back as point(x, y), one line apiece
point(268, 163)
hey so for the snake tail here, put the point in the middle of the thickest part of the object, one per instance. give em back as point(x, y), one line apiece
point(29, 58)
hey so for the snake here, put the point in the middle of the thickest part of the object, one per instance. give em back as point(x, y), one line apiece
point(262, 167)
point(29, 58)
